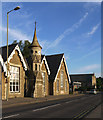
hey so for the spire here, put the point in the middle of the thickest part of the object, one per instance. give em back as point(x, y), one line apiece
point(35, 41)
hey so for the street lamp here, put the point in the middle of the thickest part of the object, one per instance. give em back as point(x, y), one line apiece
point(17, 8)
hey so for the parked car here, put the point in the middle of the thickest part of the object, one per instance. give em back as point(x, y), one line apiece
point(93, 91)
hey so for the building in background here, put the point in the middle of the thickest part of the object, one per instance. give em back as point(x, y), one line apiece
point(87, 80)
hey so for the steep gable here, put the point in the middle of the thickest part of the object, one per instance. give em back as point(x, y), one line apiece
point(53, 63)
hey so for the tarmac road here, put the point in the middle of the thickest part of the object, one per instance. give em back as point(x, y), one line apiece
point(74, 108)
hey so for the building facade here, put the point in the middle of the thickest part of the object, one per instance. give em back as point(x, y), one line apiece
point(14, 87)
point(49, 73)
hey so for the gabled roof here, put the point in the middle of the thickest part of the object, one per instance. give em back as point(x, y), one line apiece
point(4, 51)
point(43, 58)
point(11, 51)
point(54, 63)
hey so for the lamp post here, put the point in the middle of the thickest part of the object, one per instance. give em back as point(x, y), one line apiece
point(17, 8)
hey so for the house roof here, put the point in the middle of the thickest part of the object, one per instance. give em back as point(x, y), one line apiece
point(54, 63)
point(4, 51)
point(81, 77)
point(11, 52)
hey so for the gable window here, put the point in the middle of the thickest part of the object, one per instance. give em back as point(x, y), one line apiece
point(65, 85)
point(43, 75)
point(14, 79)
point(62, 77)
point(35, 66)
point(57, 85)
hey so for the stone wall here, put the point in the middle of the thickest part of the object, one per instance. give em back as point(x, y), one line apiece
point(61, 90)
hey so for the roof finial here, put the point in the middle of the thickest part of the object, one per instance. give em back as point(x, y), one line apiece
point(35, 25)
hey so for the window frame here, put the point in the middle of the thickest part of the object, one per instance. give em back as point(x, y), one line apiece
point(14, 82)
point(44, 88)
point(62, 79)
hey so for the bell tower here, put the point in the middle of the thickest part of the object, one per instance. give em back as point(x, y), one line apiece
point(35, 53)
point(37, 80)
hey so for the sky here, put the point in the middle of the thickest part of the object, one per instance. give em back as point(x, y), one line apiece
point(72, 28)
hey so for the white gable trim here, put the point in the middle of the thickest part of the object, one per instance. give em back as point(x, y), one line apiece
point(44, 58)
point(66, 69)
point(20, 54)
point(3, 64)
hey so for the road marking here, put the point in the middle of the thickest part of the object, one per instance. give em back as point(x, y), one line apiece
point(11, 116)
point(82, 114)
point(45, 107)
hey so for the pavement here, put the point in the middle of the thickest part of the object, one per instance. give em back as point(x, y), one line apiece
point(27, 100)
point(96, 113)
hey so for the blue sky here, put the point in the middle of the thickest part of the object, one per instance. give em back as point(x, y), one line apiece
point(70, 28)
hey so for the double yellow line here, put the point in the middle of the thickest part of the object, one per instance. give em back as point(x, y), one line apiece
point(82, 114)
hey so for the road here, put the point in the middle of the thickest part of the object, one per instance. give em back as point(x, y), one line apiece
point(77, 107)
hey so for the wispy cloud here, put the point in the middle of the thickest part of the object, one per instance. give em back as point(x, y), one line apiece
point(93, 29)
point(16, 34)
point(88, 68)
point(68, 31)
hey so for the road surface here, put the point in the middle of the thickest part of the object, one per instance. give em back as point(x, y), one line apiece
point(77, 107)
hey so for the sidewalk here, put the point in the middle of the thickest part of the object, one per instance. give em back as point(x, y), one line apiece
point(96, 113)
point(27, 100)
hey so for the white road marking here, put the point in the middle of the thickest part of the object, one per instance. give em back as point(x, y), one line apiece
point(11, 116)
point(46, 107)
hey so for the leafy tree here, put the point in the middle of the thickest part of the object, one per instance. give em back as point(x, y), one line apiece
point(99, 82)
point(24, 47)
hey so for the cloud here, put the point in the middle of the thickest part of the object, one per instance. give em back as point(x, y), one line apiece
point(93, 29)
point(88, 68)
point(16, 34)
point(68, 31)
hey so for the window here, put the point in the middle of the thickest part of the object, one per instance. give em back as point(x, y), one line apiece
point(14, 79)
point(62, 79)
point(65, 85)
point(43, 75)
point(35, 66)
point(35, 51)
point(39, 67)
point(57, 85)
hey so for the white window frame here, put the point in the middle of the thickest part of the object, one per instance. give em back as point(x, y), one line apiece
point(62, 79)
point(14, 79)
point(43, 75)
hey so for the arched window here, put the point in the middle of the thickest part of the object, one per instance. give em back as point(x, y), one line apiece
point(62, 79)
point(35, 66)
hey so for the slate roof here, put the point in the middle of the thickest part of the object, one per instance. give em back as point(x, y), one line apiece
point(4, 51)
point(53, 63)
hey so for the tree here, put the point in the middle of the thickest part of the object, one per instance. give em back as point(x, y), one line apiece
point(99, 82)
point(24, 47)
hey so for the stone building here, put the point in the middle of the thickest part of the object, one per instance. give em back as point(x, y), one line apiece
point(47, 75)
point(14, 87)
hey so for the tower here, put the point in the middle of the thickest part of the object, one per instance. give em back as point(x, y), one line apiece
point(35, 53)
point(37, 80)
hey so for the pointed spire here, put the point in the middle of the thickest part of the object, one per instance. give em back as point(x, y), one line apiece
point(35, 41)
